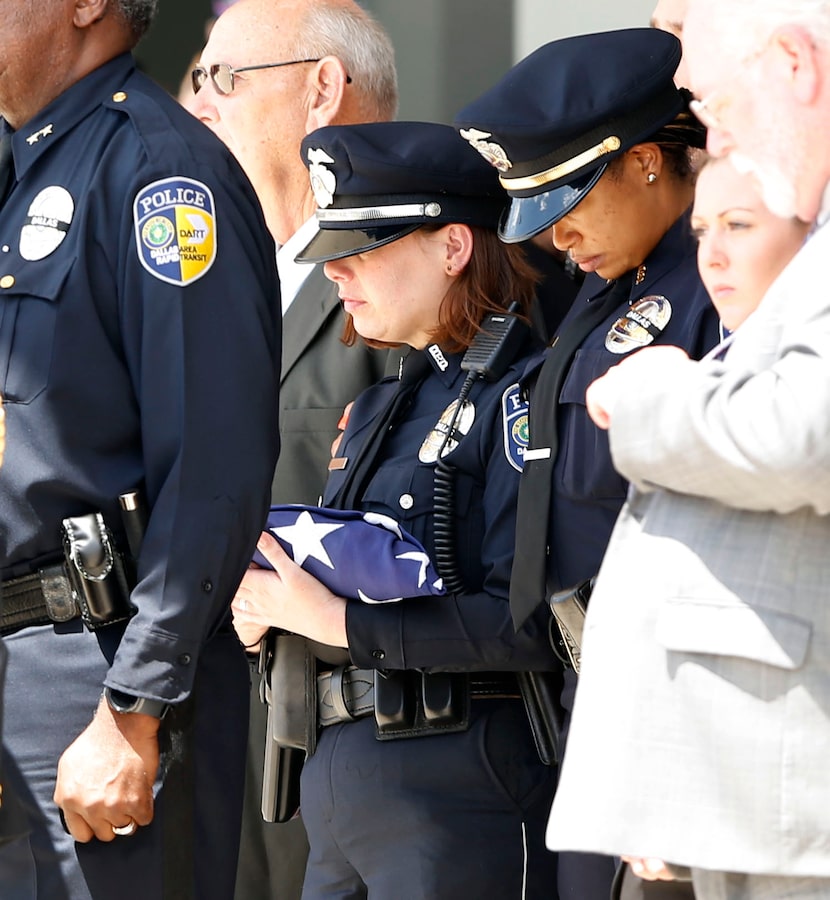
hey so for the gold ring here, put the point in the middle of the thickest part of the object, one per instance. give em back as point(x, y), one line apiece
point(126, 830)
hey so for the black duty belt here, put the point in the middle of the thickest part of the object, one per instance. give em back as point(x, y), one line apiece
point(41, 598)
point(348, 693)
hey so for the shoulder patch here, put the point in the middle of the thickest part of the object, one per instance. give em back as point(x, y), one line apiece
point(515, 426)
point(175, 229)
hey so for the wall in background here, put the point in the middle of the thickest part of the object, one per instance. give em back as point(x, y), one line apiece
point(448, 51)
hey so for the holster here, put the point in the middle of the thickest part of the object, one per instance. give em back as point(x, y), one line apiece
point(289, 689)
point(569, 608)
point(96, 571)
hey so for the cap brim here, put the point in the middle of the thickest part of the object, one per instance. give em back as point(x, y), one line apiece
point(527, 216)
point(335, 243)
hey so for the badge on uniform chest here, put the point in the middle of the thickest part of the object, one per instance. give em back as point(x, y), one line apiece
point(439, 440)
point(644, 321)
point(48, 220)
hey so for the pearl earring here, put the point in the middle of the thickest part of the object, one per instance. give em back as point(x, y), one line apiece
point(651, 178)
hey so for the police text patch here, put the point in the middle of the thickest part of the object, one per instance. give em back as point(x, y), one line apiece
point(514, 422)
point(175, 229)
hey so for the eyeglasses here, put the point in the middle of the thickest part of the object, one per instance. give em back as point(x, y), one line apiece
point(222, 75)
point(711, 120)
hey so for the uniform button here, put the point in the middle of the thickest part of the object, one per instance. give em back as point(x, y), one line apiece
point(5, 248)
point(207, 585)
point(119, 97)
point(184, 659)
point(6, 281)
point(379, 654)
point(406, 501)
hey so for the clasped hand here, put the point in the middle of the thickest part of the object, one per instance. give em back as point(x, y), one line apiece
point(288, 598)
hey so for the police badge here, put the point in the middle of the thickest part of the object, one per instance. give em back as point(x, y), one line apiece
point(644, 321)
point(439, 440)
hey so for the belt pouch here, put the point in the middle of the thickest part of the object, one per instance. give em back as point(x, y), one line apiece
point(540, 693)
point(413, 704)
point(95, 571)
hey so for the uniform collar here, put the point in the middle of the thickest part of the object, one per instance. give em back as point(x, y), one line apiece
point(672, 250)
point(445, 365)
point(65, 111)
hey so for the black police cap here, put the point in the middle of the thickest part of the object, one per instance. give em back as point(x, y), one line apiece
point(376, 182)
point(558, 117)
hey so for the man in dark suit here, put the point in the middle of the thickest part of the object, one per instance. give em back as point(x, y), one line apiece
point(271, 72)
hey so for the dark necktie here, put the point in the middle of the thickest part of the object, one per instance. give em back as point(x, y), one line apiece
point(528, 582)
point(6, 163)
point(414, 368)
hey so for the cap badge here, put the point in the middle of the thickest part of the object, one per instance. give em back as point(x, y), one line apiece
point(644, 322)
point(494, 153)
point(323, 180)
point(440, 441)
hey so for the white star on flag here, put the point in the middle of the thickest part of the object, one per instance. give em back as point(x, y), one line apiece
point(420, 558)
point(306, 539)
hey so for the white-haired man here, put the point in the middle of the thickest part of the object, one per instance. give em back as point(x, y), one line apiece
point(273, 71)
point(712, 755)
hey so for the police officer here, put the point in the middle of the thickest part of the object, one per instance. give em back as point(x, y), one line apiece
point(408, 795)
point(140, 344)
point(592, 137)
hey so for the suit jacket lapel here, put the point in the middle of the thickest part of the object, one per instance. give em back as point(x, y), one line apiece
point(315, 302)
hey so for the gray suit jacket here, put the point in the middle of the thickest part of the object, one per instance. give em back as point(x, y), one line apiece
point(701, 731)
point(320, 375)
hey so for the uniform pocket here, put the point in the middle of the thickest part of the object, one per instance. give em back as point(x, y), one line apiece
point(28, 314)
point(726, 629)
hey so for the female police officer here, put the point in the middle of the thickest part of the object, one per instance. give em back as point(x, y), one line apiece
point(438, 794)
point(592, 138)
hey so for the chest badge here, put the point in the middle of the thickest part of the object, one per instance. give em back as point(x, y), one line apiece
point(644, 321)
point(47, 222)
point(438, 435)
point(175, 229)
point(514, 426)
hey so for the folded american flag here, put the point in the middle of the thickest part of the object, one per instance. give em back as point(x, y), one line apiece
point(364, 556)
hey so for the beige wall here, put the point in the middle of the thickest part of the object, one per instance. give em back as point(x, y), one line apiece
point(538, 21)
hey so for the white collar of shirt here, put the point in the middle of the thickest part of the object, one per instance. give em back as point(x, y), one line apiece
point(293, 274)
point(824, 211)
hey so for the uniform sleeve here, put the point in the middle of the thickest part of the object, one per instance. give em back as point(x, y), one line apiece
point(751, 432)
point(202, 346)
point(473, 630)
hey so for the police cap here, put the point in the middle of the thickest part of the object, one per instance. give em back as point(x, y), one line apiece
point(376, 182)
point(558, 117)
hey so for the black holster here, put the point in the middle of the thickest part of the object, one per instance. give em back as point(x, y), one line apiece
point(289, 689)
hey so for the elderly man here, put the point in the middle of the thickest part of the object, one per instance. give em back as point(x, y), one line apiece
point(140, 347)
point(271, 72)
point(712, 753)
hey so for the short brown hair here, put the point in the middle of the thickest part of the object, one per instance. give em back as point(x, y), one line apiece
point(497, 275)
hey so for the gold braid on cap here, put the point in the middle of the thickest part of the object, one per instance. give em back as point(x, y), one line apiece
point(609, 145)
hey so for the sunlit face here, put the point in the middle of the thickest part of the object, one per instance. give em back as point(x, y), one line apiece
point(394, 292)
point(749, 110)
point(616, 225)
point(262, 121)
point(668, 16)
point(37, 57)
point(742, 246)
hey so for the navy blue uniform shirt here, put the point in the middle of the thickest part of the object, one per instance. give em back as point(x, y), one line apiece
point(471, 630)
point(139, 339)
point(587, 491)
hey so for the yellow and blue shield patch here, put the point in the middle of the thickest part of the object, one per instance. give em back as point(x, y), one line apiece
point(175, 229)
point(514, 426)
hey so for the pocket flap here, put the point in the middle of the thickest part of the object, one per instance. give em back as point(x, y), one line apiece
point(721, 629)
